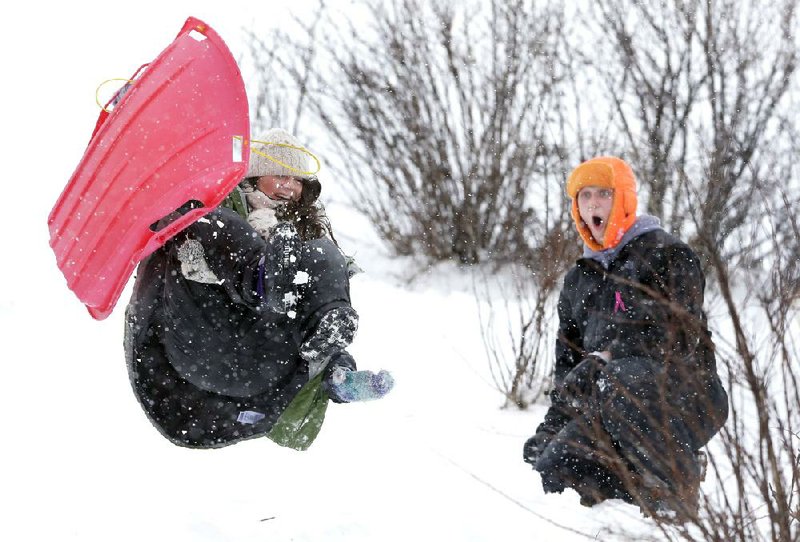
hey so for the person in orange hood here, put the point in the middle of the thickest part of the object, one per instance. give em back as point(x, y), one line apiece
point(636, 392)
point(603, 192)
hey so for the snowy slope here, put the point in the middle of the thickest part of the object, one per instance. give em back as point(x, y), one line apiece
point(436, 460)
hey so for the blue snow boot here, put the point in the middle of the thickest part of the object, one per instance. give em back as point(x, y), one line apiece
point(347, 386)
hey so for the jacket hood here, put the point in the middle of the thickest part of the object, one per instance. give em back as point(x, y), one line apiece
point(642, 225)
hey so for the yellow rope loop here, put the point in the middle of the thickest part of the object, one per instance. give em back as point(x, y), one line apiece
point(97, 92)
point(275, 160)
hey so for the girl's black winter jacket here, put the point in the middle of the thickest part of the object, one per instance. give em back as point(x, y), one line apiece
point(199, 355)
point(647, 304)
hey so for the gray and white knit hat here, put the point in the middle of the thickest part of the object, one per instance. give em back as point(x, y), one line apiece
point(273, 144)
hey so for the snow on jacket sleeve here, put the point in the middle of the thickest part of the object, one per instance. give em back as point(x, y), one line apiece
point(334, 332)
point(324, 322)
point(569, 343)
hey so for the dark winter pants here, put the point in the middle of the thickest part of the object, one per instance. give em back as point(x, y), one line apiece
point(575, 458)
point(640, 418)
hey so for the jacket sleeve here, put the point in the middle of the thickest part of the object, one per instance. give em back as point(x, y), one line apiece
point(569, 352)
point(665, 318)
point(569, 343)
point(326, 320)
point(325, 284)
point(232, 249)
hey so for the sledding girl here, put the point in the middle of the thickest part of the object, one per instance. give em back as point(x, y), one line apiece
point(636, 388)
point(237, 327)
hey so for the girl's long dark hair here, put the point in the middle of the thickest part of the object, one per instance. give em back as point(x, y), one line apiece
point(307, 214)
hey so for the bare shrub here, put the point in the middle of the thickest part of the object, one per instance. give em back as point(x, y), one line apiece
point(517, 333)
point(444, 115)
point(282, 72)
point(759, 473)
point(652, 77)
point(517, 324)
point(435, 106)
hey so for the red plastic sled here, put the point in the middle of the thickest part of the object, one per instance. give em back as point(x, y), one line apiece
point(179, 136)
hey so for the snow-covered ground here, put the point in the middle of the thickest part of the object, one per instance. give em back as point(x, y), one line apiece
point(436, 460)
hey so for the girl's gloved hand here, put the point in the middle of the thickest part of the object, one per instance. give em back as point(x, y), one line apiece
point(577, 385)
point(347, 386)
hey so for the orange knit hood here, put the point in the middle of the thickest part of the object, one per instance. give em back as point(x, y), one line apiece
point(606, 172)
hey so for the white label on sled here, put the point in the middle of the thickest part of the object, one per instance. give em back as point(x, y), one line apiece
point(237, 148)
point(250, 417)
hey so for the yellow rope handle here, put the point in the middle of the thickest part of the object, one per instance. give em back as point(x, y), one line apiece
point(275, 160)
point(97, 92)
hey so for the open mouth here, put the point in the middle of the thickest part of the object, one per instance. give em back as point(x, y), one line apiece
point(597, 221)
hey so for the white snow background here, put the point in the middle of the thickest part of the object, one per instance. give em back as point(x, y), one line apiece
point(436, 460)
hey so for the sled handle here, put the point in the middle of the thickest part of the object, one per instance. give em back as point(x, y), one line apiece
point(117, 93)
point(166, 232)
point(101, 119)
point(167, 220)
